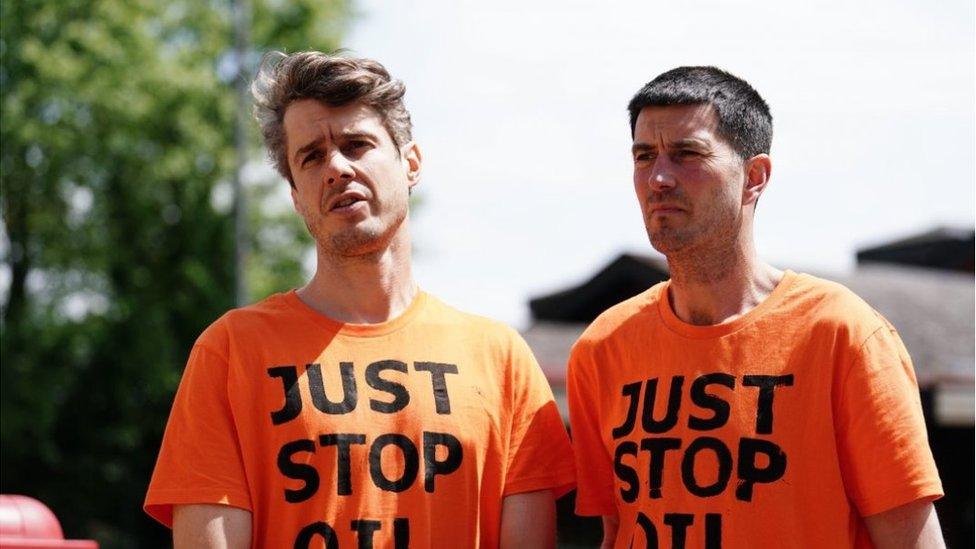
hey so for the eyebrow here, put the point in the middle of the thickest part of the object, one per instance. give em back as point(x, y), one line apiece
point(353, 134)
point(312, 145)
point(640, 147)
point(688, 142)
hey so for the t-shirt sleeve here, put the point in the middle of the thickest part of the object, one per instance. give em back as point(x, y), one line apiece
point(884, 453)
point(594, 480)
point(540, 456)
point(200, 459)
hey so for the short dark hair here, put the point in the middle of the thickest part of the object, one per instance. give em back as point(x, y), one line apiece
point(743, 116)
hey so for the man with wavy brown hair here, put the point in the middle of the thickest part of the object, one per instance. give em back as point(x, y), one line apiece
point(357, 410)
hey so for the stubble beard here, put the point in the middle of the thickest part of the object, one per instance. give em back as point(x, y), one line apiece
point(361, 241)
point(671, 240)
point(702, 253)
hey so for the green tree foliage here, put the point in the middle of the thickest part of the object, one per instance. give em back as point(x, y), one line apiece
point(117, 142)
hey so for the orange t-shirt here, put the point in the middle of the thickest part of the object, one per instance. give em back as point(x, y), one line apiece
point(405, 433)
point(781, 428)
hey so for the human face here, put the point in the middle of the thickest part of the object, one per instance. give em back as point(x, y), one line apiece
point(688, 179)
point(351, 185)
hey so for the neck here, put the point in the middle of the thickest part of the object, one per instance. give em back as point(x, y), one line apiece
point(366, 289)
point(712, 286)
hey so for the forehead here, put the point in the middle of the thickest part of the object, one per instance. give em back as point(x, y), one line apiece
point(308, 119)
point(676, 122)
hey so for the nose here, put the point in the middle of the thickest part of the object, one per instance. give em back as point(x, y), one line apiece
point(338, 169)
point(661, 176)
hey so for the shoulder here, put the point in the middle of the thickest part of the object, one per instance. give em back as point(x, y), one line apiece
point(243, 322)
point(469, 326)
point(613, 322)
point(828, 305)
point(497, 342)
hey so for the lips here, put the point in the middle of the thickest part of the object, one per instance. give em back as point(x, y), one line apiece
point(666, 208)
point(345, 200)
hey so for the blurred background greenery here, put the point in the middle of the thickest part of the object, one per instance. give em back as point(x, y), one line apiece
point(118, 236)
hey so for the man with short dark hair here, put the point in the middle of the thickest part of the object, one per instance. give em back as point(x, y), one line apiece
point(737, 405)
point(356, 411)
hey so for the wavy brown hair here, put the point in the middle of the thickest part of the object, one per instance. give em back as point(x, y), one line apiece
point(332, 79)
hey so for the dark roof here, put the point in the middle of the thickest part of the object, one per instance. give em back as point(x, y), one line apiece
point(941, 248)
point(626, 276)
point(933, 311)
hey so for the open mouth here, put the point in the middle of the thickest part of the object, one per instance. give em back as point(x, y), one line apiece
point(346, 201)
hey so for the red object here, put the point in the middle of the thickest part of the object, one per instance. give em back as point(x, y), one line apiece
point(26, 523)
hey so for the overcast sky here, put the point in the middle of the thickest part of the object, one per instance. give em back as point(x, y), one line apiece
point(520, 110)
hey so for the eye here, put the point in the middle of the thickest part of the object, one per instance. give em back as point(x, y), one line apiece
point(312, 156)
point(644, 157)
point(355, 147)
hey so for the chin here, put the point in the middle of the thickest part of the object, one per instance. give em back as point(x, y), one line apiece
point(667, 241)
point(660, 239)
point(357, 243)
point(360, 240)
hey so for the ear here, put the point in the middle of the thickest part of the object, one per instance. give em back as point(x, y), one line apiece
point(412, 162)
point(294, 198)
point(758, 170)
